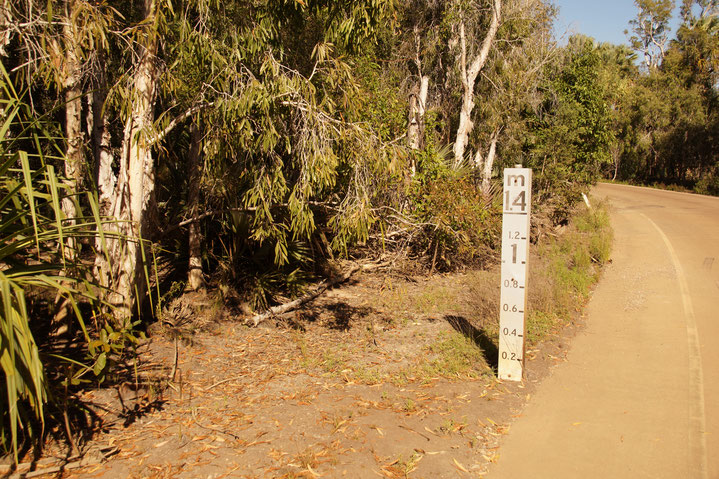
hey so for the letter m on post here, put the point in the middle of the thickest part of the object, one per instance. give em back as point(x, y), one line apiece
point(515, 180)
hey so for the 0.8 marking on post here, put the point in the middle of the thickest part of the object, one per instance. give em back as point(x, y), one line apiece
point(515, 257)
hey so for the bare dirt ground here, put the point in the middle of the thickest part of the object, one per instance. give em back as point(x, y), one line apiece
point(371, 380)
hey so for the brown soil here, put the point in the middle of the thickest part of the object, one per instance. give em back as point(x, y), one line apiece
point(353, 385)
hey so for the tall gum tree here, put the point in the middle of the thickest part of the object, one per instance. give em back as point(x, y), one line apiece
point(651, 30)
point(469, 68)
point(509, 84)
point(422, 45)
point(195, 278)
point(133, 191)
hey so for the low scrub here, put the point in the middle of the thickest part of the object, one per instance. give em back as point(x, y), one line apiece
point(565, 267)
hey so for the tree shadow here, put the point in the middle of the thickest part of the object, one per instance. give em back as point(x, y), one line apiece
point(478, 337)
point(341, 315)
point(344, 314)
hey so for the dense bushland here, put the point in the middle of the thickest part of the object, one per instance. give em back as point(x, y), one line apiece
point(150, 147)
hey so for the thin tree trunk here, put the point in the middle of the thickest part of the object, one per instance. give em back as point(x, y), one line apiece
point(489, 163)
point(617, 158)
point(195, 279)
point(418, 102)
point(71, 82)
point(5, 31)
point(468, 74)
point(485, 165)
point(74, 156)
point(103, 174)
point(102, 142)
point(417, 111)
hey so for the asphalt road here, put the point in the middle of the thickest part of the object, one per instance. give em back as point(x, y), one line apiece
point(639, 394)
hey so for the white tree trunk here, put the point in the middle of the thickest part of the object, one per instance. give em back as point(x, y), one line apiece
point(468, 74)
point(134, 192)
point(485, 165)
point(99, 131)
point(104, 174)
point(195, 278)
point(418, 103)
point(617, 158)
point(418, 100)
point(489, 163)
point(417, 110)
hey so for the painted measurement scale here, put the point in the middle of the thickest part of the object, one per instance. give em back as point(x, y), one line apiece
point(515, 258)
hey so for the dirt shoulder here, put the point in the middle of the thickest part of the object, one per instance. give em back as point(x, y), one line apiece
point(369, 380)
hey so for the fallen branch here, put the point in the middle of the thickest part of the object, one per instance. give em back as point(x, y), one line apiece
point(324, 286)
point(218, 383)
point(52, 466)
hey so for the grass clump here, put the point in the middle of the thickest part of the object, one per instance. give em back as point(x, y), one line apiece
point(455, 355)
point(565, 268)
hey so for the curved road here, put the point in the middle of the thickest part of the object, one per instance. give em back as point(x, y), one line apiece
point(639, 394)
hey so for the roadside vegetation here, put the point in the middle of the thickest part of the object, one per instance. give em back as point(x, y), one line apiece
point(665, 109)
point(242, 153)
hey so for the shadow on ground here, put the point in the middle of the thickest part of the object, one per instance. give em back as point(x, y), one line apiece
point(338, 315)
point(478, 336)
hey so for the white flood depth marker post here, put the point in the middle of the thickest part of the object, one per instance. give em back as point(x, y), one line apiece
point(515, 259)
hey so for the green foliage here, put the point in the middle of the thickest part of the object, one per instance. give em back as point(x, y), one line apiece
point(709, 184)
point(565, 269)
point(286, 146)
point(573, 258)
point(570, 134)
point(460, 222)
point(27, 232)
point(380, 104)
point(666, 126)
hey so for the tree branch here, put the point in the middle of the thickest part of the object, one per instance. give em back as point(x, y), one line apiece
point(324, 286)
point(177, 120)
point(481, 58)
point(252, 209)
point(463, 53)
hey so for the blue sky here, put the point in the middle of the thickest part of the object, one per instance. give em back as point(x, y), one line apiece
point(605, 20)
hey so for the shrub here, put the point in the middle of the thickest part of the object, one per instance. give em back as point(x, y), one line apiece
point(709, 184)
point(460, 223)
point(36, 260)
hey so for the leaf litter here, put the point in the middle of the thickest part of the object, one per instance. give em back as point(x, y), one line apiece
point(358, 392)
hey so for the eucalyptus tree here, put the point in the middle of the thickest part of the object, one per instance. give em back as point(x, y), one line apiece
point(651, 30)
point(475, 33)
point(422, 47)
point(274, 101)
point(270, 93)
point(510, 84)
